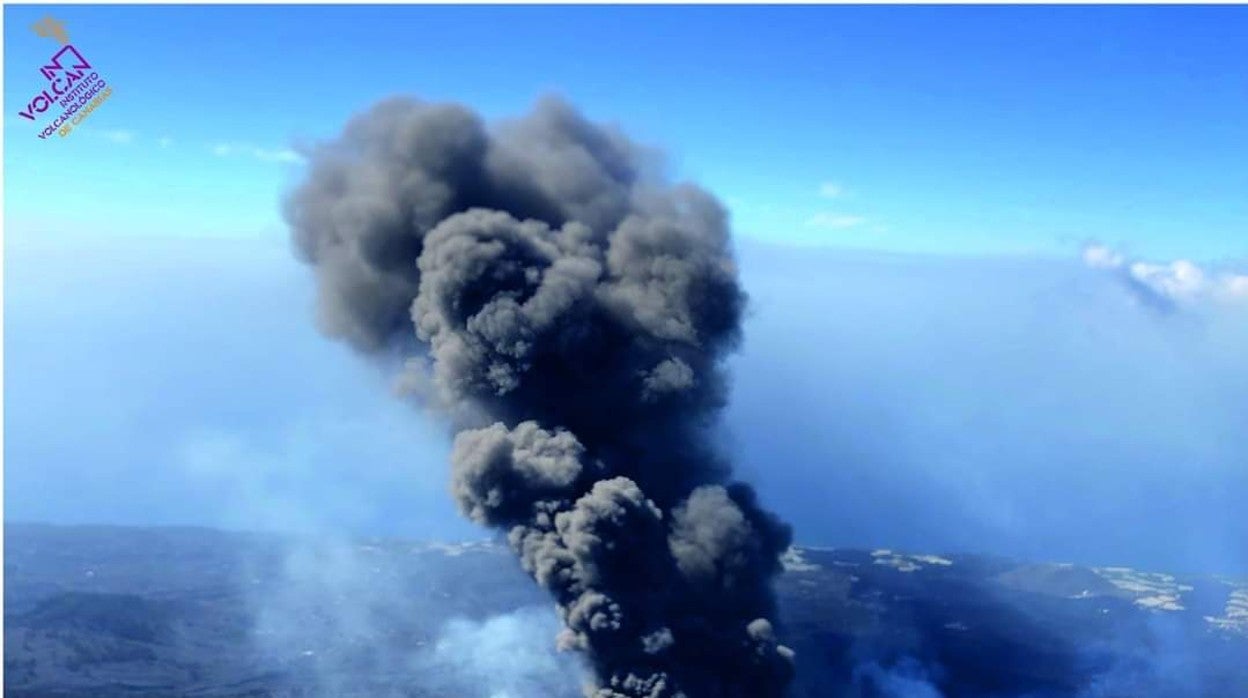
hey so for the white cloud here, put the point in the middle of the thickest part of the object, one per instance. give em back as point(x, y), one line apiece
point(1236, 287)
point(286, 155)
point(835, 221)
point(1180, 281)
point(279, 155)
point(165, 141)
point(830, 190)
point(119, 136)
point(1101, 257)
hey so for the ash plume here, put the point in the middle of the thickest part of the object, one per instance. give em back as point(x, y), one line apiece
point(568, 309)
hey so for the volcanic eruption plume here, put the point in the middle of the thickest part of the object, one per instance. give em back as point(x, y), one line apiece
point(568, 310)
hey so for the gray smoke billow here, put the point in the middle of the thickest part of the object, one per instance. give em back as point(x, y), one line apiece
point(568, 310)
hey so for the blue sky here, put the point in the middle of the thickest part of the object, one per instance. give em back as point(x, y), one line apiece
point(963, 130)
point(966, 380)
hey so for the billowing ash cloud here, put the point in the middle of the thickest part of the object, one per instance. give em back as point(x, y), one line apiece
point(569, 310)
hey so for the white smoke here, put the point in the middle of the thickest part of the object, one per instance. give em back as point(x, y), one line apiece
point(506, 656)
point(907, 678)
point(334, 616)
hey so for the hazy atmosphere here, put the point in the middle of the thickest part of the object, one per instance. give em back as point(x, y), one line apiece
point(754, 333)
point(880, 399)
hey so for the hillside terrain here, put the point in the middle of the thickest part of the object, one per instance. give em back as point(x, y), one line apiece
point(112, 611)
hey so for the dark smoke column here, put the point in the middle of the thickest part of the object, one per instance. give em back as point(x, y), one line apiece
point(568, 310)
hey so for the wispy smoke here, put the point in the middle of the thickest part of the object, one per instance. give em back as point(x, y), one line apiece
point(336, 619)
point(568, 310)
point(907, 678)
point(501, 656)
point(1161, 660)
point(331, 616)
